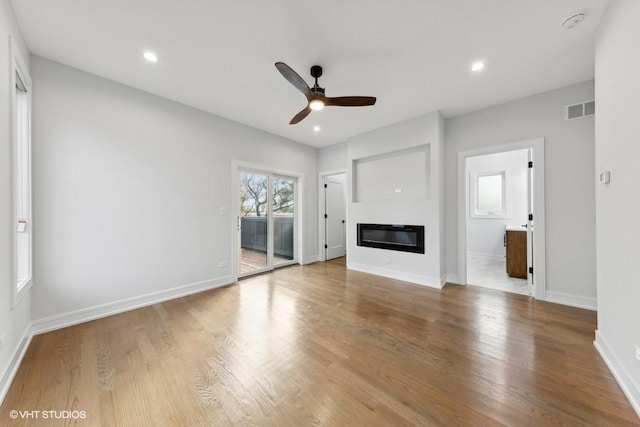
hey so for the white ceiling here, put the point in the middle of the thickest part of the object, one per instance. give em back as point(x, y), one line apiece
point(414, 55)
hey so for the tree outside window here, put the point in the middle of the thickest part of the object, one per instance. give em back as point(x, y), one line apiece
point(253, 195)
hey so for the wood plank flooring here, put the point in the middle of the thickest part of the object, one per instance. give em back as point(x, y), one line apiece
point(320, 345)
point(251, 260)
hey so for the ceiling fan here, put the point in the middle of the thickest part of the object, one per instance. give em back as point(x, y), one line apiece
point(315, 96)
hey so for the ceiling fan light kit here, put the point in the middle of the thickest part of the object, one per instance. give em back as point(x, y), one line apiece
point(316, 99)
point(316, 105)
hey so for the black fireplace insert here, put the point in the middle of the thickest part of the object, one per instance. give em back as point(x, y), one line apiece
point(405, 238)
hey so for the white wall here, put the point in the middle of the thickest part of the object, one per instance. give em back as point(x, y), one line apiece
point(13, 322)
point(333, 157)
point(569, 192)
point(485, 235)
point(128, 189)
point(399, 175)
point(420, 210)
point(617, 203)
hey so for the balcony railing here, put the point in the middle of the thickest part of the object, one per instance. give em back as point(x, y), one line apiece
point(254, 234)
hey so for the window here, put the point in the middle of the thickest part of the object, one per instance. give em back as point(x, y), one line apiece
point(21, 135)
point(488, 194)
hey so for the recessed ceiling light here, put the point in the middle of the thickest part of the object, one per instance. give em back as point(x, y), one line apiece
point(477, 66)
point(572, 21)
point(150, 56)
point(316, 128)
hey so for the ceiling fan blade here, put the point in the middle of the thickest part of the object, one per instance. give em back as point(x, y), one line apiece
point(294, 78)
point(300, 116)
point(351, 101)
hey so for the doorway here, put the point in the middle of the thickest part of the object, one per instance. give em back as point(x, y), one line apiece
point(498, 205)
point(333, 215)
point(266, 221)
point(335, 218)
point(500, 193)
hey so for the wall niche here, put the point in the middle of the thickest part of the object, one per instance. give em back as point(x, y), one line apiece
point(396, 175)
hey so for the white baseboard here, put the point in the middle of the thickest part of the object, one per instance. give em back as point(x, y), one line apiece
point(626, 382)
point(311, 259)
point(63, 320)
point(453, 278)
point(418, 279)
point(572, 300)
point(14, 363)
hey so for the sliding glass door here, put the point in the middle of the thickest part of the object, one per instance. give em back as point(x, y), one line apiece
point(253, 223)
point(283, 220)
point(266, 221)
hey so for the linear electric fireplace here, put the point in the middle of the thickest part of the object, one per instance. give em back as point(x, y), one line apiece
point(405, 238)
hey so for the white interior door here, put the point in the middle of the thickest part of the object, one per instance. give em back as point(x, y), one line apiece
point(335, 216)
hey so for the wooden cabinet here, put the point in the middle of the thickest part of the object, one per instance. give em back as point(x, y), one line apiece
point(517, 253)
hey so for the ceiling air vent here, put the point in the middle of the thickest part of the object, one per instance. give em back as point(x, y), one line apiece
point(578, 111)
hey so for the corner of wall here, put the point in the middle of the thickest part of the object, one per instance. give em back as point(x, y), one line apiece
point(9, 373)
point(423, 207)
point(626, 381)
point(14, 322)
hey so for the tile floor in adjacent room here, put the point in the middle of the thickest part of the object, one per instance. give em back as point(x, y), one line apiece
point(492, 273)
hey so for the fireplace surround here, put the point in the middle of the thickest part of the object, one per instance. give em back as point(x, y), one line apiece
point(395, 237)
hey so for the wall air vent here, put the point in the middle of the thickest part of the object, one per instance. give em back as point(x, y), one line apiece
point(578, 111)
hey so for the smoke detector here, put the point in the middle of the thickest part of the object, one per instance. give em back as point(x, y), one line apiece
point(572, 21)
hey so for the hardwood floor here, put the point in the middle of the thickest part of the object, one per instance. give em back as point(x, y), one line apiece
point(322, 345)
point(254, 260)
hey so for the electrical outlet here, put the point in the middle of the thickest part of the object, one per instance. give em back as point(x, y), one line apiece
point(3, 338)
point(223, 264)
point(387, 260)
point(224, 211)
point(638, 352)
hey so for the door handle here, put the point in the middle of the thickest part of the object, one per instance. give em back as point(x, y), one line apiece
point(239, 223)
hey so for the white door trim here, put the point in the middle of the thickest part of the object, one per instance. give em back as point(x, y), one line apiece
point(537, 146)
point(236, 167)
point(321, 201)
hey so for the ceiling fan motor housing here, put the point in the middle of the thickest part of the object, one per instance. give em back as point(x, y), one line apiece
point(316, 71)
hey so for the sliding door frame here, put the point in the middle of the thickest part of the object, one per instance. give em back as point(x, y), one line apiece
point(238, 166)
